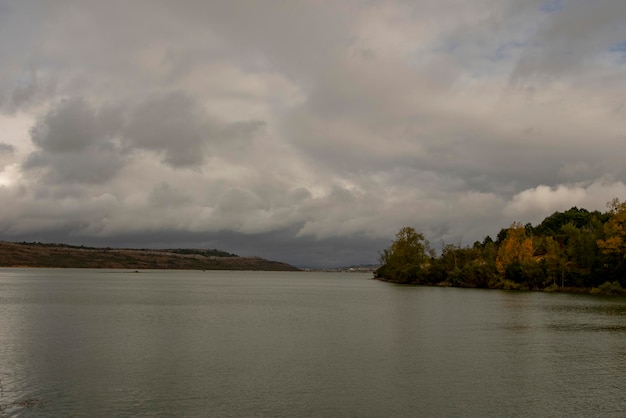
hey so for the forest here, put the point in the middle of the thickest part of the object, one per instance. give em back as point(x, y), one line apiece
point(576, 250)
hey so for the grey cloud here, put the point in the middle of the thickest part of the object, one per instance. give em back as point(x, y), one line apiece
point(176, 126)
point(166, 195)
point(71, 126)
point(572, 37)
point(74, 145)
point(92, 166)
point(273, 36)
point(25, 92)
point(239, 201)
point(120, 48)
point(173, 125)
point(26, 79)
point(23, 95)
point(6, 154)
point(6, 148)
point(79, 143)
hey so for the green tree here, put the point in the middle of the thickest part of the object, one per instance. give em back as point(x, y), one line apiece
point(408, 258)
point(555, 261)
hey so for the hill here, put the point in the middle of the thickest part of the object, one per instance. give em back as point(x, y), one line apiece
point(14, 254)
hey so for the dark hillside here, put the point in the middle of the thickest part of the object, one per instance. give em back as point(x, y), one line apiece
point(65, 256)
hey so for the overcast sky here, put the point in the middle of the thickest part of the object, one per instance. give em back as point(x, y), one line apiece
point(305, 131)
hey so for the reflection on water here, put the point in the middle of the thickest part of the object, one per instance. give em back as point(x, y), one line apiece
point(103, 343)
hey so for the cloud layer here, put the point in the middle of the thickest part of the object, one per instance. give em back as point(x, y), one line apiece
point(308, 132)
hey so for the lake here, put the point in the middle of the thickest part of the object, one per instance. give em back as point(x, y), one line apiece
point(104, 343)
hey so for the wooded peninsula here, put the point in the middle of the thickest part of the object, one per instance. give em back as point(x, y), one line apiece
point(576, 250)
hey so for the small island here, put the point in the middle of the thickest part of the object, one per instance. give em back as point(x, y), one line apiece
point(575, 251)
point(35, 254)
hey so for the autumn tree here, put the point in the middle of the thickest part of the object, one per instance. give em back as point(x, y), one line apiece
point(615, 230)
point(407, 259)
point(614, 243)
point(517, 247)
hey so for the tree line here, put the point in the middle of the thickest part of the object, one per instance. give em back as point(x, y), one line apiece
point(572, 250)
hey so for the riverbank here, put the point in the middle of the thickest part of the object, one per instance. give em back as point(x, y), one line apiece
point(606, 289)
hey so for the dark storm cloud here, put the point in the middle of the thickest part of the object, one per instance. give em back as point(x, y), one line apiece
point(303, 251)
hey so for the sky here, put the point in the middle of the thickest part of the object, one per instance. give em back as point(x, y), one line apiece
point(306, 131)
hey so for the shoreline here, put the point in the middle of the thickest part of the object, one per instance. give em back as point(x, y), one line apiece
point(594, 291)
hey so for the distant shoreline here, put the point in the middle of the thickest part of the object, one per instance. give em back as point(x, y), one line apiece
point(43, 255)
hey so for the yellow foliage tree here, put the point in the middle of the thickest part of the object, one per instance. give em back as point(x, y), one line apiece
point(516, 247)
point(615, 230)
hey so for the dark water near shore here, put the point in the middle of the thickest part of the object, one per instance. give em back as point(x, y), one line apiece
point(92, 343)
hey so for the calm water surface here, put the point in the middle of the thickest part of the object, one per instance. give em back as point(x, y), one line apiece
point(94, 343)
